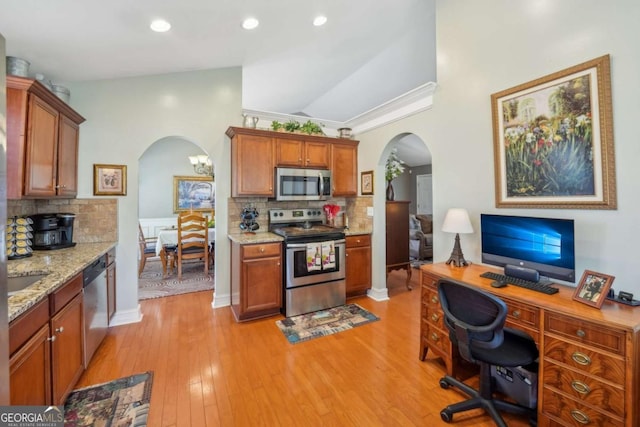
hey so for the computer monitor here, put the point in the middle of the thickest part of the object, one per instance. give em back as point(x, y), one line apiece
point(545, 245)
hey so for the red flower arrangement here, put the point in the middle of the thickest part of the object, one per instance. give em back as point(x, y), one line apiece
point(331, 211)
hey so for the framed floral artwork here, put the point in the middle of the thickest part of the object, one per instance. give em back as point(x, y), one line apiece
point(109, 180)
point(366, 183)
point(553, 140)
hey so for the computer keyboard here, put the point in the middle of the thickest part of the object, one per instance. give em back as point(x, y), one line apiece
point(534, 286)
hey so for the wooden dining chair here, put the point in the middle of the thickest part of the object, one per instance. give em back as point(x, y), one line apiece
point(147, 248)
point(193, 240)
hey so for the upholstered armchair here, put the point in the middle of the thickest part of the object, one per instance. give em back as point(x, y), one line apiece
point(421, 237)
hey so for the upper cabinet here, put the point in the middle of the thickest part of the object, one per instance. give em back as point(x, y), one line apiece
point(255, 153)
point(42, 142)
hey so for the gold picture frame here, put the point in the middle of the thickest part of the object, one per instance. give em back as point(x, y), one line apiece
point(366, 183)
point(109, 180)
point(553, 140)
point(194, 194)
point(593, 288)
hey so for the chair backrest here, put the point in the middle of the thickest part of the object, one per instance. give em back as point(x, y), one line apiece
point(193, 233)
point(475, 318)
point(141, 241)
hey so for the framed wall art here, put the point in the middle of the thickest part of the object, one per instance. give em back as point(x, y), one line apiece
point(366, 183)
point(553, 140)
point(593, 288)
point(109, 180)
point(194, 193)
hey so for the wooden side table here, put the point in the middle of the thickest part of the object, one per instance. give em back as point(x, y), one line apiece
point(397, 236)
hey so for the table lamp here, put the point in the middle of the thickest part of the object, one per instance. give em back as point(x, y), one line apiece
point(457, 221)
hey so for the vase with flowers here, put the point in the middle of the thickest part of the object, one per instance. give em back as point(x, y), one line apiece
point(393, 169)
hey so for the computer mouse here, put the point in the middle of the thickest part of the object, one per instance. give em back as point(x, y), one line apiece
point(498, 284)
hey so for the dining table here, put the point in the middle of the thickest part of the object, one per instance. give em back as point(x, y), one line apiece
point(169, 236)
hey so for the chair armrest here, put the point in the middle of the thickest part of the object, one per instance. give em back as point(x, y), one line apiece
point(416, 235)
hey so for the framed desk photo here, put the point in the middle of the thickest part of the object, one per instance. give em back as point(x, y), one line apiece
point(109, 180)
point(366, 183)
point(194, 193)
point(593, 288)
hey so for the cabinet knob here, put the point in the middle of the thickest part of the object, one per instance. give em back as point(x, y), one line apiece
point(278, 264)
point(262, 250)
point(435, 337)
point(581, 358)
point(51, 338)
point(580, 333)
point(56, 186)
point(580, 417)
point(434, 299)
point(60, 329)
point(580, 387)
point(435, 317)
point(516, 314)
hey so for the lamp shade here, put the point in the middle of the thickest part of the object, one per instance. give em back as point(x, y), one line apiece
point(457, 221)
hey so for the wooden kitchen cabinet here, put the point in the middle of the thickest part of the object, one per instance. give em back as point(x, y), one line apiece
point(358, 268)
point(46, 347)
point(344, 168)
point(302, 154)
point(252, 163)
point(256, 280)
point(111, 283)
point(42, 142)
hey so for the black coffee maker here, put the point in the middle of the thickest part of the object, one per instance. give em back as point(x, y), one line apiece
point(53, 231)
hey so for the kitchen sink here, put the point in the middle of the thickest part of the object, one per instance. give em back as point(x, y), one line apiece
point(15, 284)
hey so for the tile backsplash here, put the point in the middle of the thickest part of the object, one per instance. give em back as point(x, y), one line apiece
point(96, 219)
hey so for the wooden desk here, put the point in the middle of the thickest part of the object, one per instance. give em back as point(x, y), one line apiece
point(589, 371)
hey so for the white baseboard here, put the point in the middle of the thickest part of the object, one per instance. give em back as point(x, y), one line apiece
point(125, 317)
point(378, 294)
point(221, 300)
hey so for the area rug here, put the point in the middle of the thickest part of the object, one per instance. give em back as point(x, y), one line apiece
point(324, 322)
point(152, 285)
point(122, 402)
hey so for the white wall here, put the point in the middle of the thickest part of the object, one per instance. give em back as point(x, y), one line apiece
point(484, 47)
point(125, 116)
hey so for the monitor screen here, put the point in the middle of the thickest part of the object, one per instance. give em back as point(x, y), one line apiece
point(542, 244)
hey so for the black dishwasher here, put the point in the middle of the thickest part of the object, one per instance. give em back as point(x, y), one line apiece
point(95, 306)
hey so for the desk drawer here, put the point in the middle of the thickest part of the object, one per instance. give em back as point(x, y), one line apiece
point(573, 413)
point(439, 339)
point(522, 314)
point(429, 280)
point(586, 333)
point(585, 388)
point(608, 367)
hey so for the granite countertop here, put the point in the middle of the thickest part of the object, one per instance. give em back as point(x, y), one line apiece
point(356, 231)
point(58, 265)
point(245, 238)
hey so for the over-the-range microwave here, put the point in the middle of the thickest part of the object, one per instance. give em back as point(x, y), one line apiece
point(302, 184)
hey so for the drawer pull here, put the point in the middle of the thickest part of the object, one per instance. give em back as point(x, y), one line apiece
point(516, 314)
point(434, 299)
point(435, 337)
point(435, 317)
point(580, 387)
point(580, 333)
point(580, 417)
point(581, 358)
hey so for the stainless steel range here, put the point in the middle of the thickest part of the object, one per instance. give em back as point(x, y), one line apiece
point(314, 270)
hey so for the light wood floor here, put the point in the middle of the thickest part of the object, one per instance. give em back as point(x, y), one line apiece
point(211, 371)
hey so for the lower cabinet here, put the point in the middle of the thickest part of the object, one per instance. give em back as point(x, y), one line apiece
point(358, 268)
point(111, 284)
point(256, 280)
point(46, 346)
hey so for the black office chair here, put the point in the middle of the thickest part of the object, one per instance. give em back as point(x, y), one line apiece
point(475, 320)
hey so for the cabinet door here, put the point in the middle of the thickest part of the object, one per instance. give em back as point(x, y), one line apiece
point(289, 152)
point(358, 270)
point(344, 167)
point(67, 349)
point(111, 290)
point(30, 371)
point(397, 231)
point(262, 285)
point(67, 183)
point(252, 166)
point(42, 149)
point(317, 155)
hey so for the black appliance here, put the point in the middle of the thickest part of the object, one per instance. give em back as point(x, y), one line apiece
point(53, 231)
point(306, 286)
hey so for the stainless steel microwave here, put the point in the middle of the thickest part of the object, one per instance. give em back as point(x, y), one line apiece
point(302, 184)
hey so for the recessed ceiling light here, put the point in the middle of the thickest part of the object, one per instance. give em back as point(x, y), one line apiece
point(319, 20)
point(250, 23)
point(160, 25)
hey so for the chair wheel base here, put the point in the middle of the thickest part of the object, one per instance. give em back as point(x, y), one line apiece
point(443, 384)
point(446, 416)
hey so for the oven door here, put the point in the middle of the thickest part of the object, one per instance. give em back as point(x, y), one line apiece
point(297, 273)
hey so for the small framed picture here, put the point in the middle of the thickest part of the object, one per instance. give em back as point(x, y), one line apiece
point(366, 183)
point(109, 180)
point(593, 288)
